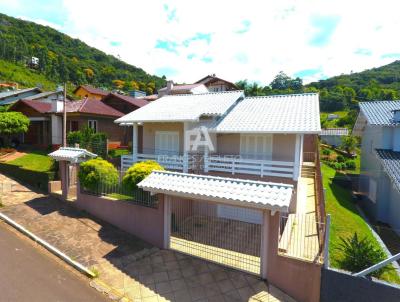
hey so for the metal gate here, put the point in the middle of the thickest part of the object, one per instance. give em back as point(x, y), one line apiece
point(227, 235)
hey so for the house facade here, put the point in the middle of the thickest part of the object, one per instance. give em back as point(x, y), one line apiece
point(215, 84)
point(237, 186)
point(378, 125)
point(172, 89)
point(86, 91)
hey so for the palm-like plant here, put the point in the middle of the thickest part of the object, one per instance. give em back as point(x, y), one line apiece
point(359, 254)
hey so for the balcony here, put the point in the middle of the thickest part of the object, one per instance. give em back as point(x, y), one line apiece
point(233, 164)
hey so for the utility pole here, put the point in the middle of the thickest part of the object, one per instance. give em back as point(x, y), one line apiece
point(65, 116)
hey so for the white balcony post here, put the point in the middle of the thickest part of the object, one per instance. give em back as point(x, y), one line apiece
point(297, 157)
point(134, 142)
point(206, 160)
point(185, 147)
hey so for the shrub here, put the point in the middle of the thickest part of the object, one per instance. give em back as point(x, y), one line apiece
point(340, 158)
point(138, 172)
point(326, 152)
point(74, 137)
point(360, 254)
point(350, 164)
point(97, 173)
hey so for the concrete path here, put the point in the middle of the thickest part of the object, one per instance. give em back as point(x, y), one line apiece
point(27, 273)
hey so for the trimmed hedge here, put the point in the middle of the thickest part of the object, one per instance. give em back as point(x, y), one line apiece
point(138, 172)
point(38, 180)
point(96, 174)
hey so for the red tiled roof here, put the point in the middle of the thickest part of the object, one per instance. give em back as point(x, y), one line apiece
point(92, 107)
point(131, 100)
point(41, 107)
point(92, 90)
point(151, 97)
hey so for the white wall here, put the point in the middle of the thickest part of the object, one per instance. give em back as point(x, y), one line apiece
point(56, 130)
point(396, 139)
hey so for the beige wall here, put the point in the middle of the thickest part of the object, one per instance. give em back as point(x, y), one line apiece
point(149, 130)
point(283, 145)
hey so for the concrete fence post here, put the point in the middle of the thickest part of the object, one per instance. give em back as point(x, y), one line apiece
point(326, 243)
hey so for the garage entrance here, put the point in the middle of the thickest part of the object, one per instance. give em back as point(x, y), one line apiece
point(225, 234)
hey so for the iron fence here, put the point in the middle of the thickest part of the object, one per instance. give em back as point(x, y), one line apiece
point(120, 191)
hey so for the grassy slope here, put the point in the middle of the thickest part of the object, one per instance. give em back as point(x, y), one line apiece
point(345, 220)
point(35, 161)
point(23, 76)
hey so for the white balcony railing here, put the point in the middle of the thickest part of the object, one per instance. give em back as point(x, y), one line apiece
point(172, 162)
point(227, 164)
point(239, 165)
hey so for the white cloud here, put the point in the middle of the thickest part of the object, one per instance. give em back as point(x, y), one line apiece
point(277, 37)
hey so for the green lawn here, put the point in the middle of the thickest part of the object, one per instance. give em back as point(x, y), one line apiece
point(332, 123)
point(37, 161)
point(345, 220)
point(117, 152)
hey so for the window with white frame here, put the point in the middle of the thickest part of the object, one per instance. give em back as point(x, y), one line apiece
point(92, 124)
point(167, 142)
point(256, 146)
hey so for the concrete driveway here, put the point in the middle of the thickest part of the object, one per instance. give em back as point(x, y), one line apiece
point(129, 266)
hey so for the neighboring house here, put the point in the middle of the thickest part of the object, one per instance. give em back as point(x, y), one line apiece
point(172, 89)
point(215, 84)
point(86, 91)
point(333, 136)
point(46, 120)
point(10, 97)
point(378, 124)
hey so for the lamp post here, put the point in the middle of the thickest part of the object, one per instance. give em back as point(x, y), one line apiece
point(65, 116)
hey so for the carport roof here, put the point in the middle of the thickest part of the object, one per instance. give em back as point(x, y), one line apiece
point(73, 155)
point(240, 192)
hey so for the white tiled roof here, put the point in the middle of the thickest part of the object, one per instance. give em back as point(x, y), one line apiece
point(379, 112)
point(256, 194)
point(73, 155)
point(187, 107)
point(292, 113)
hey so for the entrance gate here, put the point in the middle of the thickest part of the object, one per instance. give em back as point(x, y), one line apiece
point(227, 235)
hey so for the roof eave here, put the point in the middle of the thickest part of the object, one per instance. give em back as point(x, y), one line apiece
point(220, 200)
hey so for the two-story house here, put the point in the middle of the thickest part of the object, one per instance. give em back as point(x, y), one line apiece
point(238, 172)
point(378, 124)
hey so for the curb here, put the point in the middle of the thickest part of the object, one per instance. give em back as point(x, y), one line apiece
point(49, 247)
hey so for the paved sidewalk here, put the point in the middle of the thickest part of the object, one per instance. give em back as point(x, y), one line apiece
point(129, 265)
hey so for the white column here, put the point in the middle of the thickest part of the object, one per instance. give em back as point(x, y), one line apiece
point(167, 221)
point(135, 142)
point(264, 244)
point(185, 148)
point(296, 170)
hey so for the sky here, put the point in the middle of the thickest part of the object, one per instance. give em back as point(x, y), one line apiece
point(252, 39)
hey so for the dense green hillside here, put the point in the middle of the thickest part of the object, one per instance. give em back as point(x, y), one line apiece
point(340, 94)
point(62, 58)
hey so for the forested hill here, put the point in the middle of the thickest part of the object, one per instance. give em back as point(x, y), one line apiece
point(62, 58)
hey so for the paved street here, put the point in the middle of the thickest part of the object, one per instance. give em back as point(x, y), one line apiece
point(28, 274)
